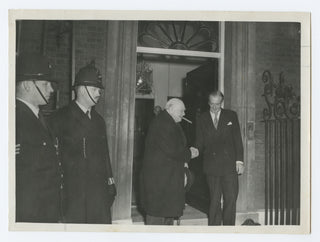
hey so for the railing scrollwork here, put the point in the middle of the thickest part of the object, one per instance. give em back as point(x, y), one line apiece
point(280, 98)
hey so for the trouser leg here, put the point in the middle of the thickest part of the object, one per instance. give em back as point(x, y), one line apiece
point(230, 188)
point(215, 213)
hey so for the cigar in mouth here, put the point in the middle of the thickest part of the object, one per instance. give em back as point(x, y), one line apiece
point(185, 119)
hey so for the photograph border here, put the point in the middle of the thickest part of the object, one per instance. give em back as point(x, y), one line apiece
point(305, 80)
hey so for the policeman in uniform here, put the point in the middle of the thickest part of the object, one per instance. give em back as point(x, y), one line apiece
point(38, 174)
point(89, 184)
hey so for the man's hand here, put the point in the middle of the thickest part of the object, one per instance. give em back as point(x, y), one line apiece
point(194, 152)
point(112, 190)
point(240, 167)
point(18, 149)
point(111, 187)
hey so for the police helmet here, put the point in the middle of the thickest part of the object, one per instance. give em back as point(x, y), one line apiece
point(89, 76)
point(33, 66)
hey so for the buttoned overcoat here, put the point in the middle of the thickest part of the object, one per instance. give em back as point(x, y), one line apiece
point(85, 159)
point(162, 177)
point(37, 170)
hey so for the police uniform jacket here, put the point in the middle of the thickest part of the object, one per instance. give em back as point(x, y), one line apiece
point(220, 147)
point(37, 170)
point(162, 177)
point(85, 158)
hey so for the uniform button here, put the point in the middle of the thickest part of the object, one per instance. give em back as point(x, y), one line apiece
point(59, 163)
point(61, 175)
point(44, 143)
point(61, 186)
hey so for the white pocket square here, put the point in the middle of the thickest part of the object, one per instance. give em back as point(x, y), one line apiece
point(230, 123)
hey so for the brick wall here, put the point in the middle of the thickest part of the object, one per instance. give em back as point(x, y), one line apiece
point(58, 48)
point(42, 37)
point(90, 44)
point(30, 35)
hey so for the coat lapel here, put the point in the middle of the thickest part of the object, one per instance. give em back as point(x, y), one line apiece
point(222, 121)
point(183, 137)
point(80, 119)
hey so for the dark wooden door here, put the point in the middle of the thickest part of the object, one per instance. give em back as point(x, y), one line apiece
point(198, 84)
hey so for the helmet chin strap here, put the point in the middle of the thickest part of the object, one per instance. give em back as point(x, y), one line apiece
point(90, 95)
point(41, 94)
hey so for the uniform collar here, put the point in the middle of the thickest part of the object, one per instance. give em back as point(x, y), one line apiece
point(34, 109)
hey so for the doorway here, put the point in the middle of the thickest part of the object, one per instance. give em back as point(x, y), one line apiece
point(197, 80)
point(143, 117)
point(198, 84)
point(192, 58)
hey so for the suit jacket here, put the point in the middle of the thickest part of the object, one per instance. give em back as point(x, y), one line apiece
point(85, 159)
point(162, 179)
point(220, 147)
point(37, 172)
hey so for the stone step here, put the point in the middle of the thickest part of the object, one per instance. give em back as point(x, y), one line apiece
point(192, 216)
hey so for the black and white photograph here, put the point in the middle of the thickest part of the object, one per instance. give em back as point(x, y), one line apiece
point(159, 122)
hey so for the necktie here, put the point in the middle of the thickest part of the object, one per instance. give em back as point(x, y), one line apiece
point(215, 120)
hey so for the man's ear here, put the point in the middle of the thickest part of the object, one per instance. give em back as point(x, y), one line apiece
point(79, 90)
point(27, 85)
point(83, 90)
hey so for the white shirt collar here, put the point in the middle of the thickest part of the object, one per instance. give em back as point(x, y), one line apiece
point(213, 114)
point(34, 109)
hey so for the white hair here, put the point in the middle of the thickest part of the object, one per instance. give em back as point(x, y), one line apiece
point(173, 102)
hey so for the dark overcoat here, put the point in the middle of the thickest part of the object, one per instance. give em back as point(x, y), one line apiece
point(220, 147)
point(37, 170)
point(86, 163)
point(162, 177)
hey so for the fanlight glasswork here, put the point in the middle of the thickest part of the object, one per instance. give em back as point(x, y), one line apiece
point(181, 35)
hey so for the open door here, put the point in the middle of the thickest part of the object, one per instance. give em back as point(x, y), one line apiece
point(198, 84)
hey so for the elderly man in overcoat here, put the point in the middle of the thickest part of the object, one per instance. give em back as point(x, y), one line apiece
point(162, 176)
point(38, 174)
point(89, 183)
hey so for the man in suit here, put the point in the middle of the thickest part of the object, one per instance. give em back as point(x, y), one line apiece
point(89, 185)
point(162, 177)
point(38, 174)
point(218, 139)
